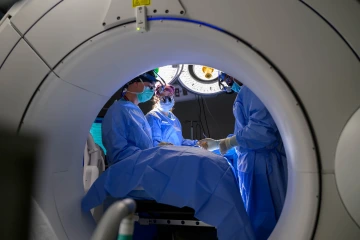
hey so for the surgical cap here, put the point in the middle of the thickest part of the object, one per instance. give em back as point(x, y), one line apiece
point(161, 88)
point(145, 77)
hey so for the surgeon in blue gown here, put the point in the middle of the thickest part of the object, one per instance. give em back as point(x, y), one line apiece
point(261, 164)
point(125, 129)
point(165, 126)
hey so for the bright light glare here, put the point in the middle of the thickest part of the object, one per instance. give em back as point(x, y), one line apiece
point(168, 73)
point(205, 86)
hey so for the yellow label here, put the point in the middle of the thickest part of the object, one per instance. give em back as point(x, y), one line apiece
point(137, 3)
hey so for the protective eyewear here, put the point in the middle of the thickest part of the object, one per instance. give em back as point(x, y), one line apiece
point(167, 99)
point(150, 86)
point(227, 79)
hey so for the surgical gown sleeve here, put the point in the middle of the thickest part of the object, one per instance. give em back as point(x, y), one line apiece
point(120, 148)
point(260, 130)
point(125, 131)
point(155, 125)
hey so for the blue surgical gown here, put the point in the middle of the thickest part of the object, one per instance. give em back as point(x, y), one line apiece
point(261, 165)
point(125, 131)
point(167, 129)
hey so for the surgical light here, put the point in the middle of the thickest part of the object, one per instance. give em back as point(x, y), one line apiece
point(168, 73)
point(194, 80)
point(208, 71)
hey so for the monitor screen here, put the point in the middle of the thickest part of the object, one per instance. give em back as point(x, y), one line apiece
point(95, 131)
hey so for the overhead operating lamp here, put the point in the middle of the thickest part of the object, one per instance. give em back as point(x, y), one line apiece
point(207, 71)
point(200, 79)
point(168, 73)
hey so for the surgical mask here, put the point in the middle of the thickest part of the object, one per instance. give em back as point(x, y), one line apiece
point(235, 87)
point(166, 106)
point(145, 95)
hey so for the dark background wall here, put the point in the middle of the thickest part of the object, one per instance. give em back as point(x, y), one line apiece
point(220, 121)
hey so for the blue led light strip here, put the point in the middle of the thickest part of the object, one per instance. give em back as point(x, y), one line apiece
point(187, 20)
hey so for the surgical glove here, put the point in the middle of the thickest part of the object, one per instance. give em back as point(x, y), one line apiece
point(165, 144)
point(227, 143)
point(209, 144)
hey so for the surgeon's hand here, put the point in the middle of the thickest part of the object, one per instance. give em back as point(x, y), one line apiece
point(227, 143)
point(165, 144)
point(209, 144)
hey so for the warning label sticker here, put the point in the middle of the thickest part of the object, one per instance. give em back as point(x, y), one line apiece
point(136, 3)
